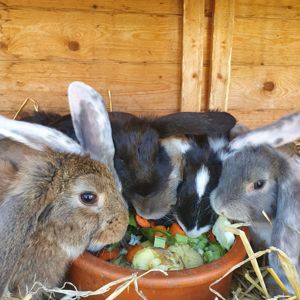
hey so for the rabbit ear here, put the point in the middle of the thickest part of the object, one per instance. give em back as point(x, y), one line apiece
point(91, 124)
point(286, 227)
point(281, 132)
point(194, 123)
point(36, 136)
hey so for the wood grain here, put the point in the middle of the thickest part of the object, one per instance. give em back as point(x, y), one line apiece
point(192, 56)
point(266, 42)
point(257, 118)
point(134, 87)
point(281, 9)
point(82, 35)
point(110, 6)
point(265, 88)
point(223, 25)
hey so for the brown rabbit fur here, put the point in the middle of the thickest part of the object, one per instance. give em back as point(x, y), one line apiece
point(39, 239)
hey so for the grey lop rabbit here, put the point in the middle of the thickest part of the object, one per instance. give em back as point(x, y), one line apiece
point(60, 201)
point(255, 178)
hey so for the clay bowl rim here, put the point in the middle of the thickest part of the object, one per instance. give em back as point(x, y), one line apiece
point(206, 273)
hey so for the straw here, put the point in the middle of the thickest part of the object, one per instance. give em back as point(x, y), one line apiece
point(35, 106)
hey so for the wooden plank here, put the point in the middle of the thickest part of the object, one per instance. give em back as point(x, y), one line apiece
point(264, 88)
point(281, 9)
point(223, 25)
point(192, 56)
point(134, 87)
point(82, 35)
point(120, 6)
point(257, 118)
point(266, 42)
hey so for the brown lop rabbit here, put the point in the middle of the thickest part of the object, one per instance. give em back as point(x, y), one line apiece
point(59, 201)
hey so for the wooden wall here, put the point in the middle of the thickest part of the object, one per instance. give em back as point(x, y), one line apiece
point(157, 56)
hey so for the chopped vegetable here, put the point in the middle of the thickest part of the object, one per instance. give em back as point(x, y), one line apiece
point(225, 238)
point(132, 221)
point(109, 255)
point(132, 251)
point(181, 239)
point(160, 242)
point(211, 236)
point(148, 245)
point(150, 258)
point(212, 252)
point(142, 222)
point(134, 239)
point(176, 229)
point(160, 230)
point(190, 257)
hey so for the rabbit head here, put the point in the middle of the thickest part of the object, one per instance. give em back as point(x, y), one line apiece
point(60, 202)
point(255, 178)
point(148, 157)
point(251, 166)
point(201, 172)
point(148, 150)
point(248, 184)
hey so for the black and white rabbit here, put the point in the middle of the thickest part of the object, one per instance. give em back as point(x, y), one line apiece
point(255, 178)
point(201, 172)
point(148, 155)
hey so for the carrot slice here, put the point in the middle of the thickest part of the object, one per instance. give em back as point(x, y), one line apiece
point(131, 251)
point(142, 222)
point(160, 227)
point(109, 255)
point(176, 229)
point(211, 236)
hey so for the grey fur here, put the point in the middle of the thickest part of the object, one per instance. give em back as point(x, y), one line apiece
point(92, 125)
point(255, 159)
point(281, 132)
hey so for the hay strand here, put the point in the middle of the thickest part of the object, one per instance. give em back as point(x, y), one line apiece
point(290, 270)
point(250, 253)
point(110, 101)
point(35, 106)
point(278, 281)
point(122, 284)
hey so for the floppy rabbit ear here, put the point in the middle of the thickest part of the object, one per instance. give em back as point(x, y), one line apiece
point(194, 123)
point(281, 132)
point(37, 137)
point(286, 226)
point(91, 124)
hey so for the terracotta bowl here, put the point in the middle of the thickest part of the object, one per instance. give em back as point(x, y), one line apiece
point(89, 273)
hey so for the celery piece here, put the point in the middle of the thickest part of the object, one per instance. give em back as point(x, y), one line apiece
point(147, 244)
point(213, 251)
point(198, 243)
point(181, 239)
point(132, 221)
point(159, 242)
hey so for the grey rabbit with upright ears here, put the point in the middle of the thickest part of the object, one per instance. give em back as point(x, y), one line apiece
point(255, 178)
point(62, 199)
point(149, 152)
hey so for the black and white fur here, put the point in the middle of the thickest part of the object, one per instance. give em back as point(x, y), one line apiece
point(148, 152)
point(201, 172)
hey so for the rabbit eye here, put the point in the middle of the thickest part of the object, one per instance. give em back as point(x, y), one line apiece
point(259, 184)
point(88, 198)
